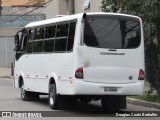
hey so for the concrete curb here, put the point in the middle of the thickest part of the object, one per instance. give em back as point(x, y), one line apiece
point(143, 103)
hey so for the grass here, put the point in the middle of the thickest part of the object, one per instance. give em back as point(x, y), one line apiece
point(151, 98)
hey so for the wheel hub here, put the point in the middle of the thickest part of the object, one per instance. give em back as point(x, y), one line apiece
point(51, 99)
point(22, 92)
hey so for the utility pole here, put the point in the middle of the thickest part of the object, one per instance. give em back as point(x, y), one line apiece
point(0, 6)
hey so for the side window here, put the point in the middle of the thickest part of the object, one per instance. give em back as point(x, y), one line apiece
point(30, 34)
point(60, 45)
point(30, 40)
point(38, 41)
point(39, 33)
point(61, 37)
point(37, 46)
point(62, 30)
point(50, 31)
point(48, 45)
point(71, 36)
point(49, 38)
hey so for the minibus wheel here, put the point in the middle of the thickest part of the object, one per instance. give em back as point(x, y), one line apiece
point(25, 94)
point(85, 99)
point(113, 103)
point(53, 97)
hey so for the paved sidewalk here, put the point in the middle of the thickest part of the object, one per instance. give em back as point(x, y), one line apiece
point(5, 72)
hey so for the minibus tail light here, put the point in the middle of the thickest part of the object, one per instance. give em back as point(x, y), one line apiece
point(141, 75)
point(79, 73)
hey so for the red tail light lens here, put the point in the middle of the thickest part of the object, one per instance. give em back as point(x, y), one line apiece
point(141, 75)
point(79, 73)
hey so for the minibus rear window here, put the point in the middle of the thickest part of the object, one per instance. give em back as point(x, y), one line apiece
point(112, 32)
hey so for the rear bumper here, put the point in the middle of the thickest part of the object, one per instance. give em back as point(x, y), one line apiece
point(87, 88)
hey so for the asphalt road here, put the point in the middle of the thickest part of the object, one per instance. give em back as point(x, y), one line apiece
point(10, 101)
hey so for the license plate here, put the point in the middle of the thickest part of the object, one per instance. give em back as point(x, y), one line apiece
point(110, 89)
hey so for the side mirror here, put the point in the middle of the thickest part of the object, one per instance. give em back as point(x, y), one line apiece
point(16, 39)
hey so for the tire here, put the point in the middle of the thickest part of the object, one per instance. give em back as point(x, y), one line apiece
point(27, 95)
point(53, 97)
point(113, 103)
point(60, 102)
point(34, 96)
point(85, 100)
point(67, 102)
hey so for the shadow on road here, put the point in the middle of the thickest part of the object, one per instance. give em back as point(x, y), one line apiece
point(77, 106)
point(78, 110)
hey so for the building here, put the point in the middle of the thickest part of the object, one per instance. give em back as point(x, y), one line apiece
point(13, 18)
point(67, 7)
point(15, 14)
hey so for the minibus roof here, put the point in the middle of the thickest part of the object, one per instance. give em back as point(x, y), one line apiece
point(71, 17)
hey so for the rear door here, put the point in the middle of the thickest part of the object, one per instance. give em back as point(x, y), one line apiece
point(114, 48)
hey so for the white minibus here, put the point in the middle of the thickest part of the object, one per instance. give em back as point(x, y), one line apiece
point(84, 57)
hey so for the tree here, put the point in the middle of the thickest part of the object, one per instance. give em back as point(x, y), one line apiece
point(148, 10)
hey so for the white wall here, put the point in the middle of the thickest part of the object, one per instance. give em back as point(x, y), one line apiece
point(8, 31)
point(6, 51)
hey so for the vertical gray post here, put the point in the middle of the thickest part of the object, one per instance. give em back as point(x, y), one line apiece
point(12, 72)
point(6, 50)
